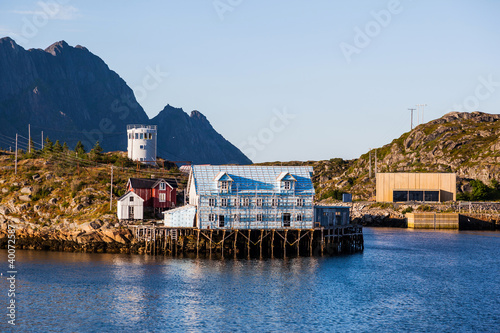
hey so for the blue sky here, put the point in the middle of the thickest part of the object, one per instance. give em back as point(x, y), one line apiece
point(286, 79)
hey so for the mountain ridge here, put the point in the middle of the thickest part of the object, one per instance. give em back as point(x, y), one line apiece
point(72, 95)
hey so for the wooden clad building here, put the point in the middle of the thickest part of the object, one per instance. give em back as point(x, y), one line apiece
point(420, 187)
point(158, 193)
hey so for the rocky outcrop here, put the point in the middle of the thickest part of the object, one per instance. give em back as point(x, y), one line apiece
point(461, 142)
point(96, 236)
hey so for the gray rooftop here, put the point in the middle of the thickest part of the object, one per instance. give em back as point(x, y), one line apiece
point(248, 179)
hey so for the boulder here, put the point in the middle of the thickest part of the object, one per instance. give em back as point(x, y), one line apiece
point(27, 190)
point(36, 176)
point(26, 198)
point(53, 201)
point(5, 190)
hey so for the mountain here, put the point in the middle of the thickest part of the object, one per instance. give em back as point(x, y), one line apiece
point(191, 137)
point(461, 142)
point(71, 94)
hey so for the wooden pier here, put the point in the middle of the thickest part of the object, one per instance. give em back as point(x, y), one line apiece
point(160, 240)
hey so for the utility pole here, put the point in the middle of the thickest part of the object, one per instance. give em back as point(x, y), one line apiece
point(15, 169)
point(418, 108)
point(42, 140)
point(370, 164)
point(29, 138)
point(111, 192)
point(411, 121)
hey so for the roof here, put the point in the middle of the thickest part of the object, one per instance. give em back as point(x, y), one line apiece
point(223, 176)
point(286, 176)
point(252, 178)
point(127, 194)
point(150, 182)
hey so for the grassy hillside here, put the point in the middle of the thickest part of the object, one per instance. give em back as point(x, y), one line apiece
point(461, 142)
point(51, 187)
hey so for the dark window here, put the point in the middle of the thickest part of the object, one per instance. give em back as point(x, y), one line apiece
point(131, 212)
point(286, 219)
point(416, 195)
point(131, 199)
point(431, 196)
point(399, 196)
point(221, 221)
point(338, 218)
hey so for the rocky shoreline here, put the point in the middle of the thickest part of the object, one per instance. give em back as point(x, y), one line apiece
point(96, 237)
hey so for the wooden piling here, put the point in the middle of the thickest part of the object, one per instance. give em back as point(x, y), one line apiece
point(235, 240)
point(260, 242)
point(248, 243)
point(298, 243)
point(284, 244)
point(272, 243)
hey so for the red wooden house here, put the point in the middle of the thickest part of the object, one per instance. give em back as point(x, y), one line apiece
point(160, 194)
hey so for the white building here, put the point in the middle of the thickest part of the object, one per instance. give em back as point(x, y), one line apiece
point(142, 143)
point(130, 206)
point(247, 197)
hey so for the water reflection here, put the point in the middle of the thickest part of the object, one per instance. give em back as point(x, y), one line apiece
point(404, 280)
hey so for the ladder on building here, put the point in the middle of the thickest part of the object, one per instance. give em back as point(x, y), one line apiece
point(173, 234)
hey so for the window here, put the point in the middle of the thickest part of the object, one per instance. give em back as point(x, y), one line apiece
point(274, 202)
point(162, 186)
point(236, 217)
point(287, 185)
point(137, 135)
point(150, 136)
point(141, 147)
point(398, 196)
point(259, 218)
point(286, 219)
point(221, 221)
point(224, 186)
point(300, 202)
point(246, 202)
point(299, 217)
point(131, 199)
point(224, 202)
point(212, 202)
point(211, 217)
point(131, 212)
point(259, 202)
point(163, 197)
point(431, 196)
point(416, 196)
point(130, 136)
point(142, 136)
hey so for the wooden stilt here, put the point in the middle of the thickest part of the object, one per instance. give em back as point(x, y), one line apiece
point(198, 241)
point(211, 232)
point(248, 243)
point(222, 247)
point(235, 241)
point(322, 241)
point(272, 243)
point(298, 243)
point(311, 237)
point(260, 242)
point(284, 244)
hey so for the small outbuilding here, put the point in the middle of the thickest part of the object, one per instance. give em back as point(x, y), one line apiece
point(182, 217)
point(130, 206)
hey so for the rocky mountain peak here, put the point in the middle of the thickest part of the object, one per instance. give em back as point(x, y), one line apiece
point(57, 47)
point(72, 95)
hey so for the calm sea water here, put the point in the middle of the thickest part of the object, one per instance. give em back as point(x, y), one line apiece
point(418, 281)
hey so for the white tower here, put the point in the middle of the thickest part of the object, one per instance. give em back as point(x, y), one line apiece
point(142, 143)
